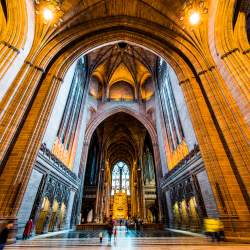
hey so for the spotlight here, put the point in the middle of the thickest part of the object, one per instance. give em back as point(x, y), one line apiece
point(194, 18)
point(47, 14)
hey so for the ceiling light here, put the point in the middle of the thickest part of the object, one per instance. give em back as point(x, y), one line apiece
point(47, 14)
point(194, 18)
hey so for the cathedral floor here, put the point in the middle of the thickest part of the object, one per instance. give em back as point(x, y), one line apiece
point(132, 240)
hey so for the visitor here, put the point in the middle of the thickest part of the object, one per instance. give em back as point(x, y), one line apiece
point(110, 228)
point(115, 233)
point(220, 236)
point(27, 229)
point(136, 224)
point(126, 225)
point(100, 237)
point(214, 229)
point(4, 234)
point(139, 223)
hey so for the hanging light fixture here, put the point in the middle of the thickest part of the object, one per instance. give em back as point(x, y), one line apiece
point(192, 11)
point(194, 18)
point(47, 14)
point(50, 11)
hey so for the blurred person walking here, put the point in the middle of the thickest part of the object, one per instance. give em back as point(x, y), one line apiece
point(110, 229)
point(4, 234)
point(100, 237)
point(126, 225)
point(214, 229)
point(115, 233)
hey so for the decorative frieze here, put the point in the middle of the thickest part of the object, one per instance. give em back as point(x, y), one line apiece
point(57, 163)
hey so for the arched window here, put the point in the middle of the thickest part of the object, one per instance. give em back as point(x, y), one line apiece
point(170, 112)
point(120, 178)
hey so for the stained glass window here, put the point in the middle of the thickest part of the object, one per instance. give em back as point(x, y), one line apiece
point(120, 178)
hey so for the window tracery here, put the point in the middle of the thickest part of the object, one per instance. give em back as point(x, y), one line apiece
point(120, 178)
point(170, 111)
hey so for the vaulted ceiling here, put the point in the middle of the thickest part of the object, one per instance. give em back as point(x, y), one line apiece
point(121, 62)
point(73, 12)
point(122, 137)
point(170, 14)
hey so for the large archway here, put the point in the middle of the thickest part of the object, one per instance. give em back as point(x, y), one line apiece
point(26, 112)
point(121, 172)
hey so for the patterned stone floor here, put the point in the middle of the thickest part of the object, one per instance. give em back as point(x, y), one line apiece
point(132, 240)
point(122, 233)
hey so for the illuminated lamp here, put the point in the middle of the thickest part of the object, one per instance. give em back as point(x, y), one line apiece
point(194, 18)
point(47, 14)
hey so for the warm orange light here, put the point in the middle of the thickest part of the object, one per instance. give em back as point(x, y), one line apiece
point(47, 14)
point(194, 18)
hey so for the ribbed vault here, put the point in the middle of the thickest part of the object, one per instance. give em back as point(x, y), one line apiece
point(122, 138)
point(122, 67)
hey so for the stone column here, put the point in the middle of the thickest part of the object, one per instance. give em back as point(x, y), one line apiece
point(99, 193)
point(13, 107)
point(214, 137)
point(81, 175)
point(141, 189)
point(158, 175)
point(170, 221)
point(69, 209)
point(16, 169)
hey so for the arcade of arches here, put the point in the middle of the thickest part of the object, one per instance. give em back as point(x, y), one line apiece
point(124, 109)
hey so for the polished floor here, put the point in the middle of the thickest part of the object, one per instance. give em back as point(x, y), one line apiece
point(121, 234)
point(144, 240)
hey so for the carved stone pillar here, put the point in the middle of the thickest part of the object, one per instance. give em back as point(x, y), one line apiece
point(10, 108)
point(99, 193)
point(15, 171)
point(69, 209)
point(140, 183)
point(158, 174)
point(8, 54)
point(216, 129)
point(81, 177)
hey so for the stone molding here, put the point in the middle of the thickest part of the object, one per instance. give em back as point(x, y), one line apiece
point(192, 162)
point(56, 167)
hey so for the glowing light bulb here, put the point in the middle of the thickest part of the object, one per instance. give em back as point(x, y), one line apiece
point(47, 14)
point(194, 18)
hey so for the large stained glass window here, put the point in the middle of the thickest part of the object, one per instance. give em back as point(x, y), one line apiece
point(120, 178)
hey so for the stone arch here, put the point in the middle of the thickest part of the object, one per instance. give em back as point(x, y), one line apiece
point(230, 50)
point(98, 118)
point(101, 116)
point(58, 68)
point(25, 126)
point(16, 39)
point(121, 90)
